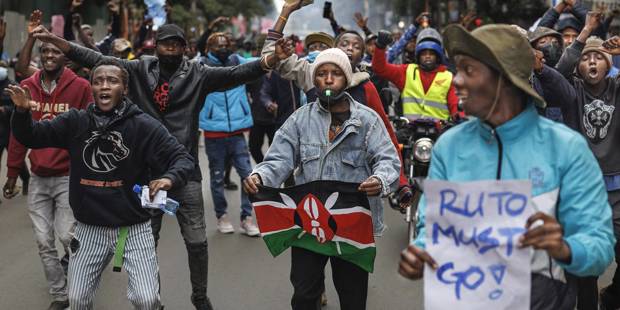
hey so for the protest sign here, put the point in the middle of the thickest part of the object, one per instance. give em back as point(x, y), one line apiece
point(472, 231)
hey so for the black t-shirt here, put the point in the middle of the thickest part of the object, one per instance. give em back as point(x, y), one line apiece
point(162, 91)
point(596, 117)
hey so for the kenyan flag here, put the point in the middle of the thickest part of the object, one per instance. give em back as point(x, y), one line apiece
point(327, 217)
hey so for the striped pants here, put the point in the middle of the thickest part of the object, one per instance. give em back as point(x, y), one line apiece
point(91, 251)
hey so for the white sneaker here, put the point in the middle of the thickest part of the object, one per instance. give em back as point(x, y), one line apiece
point(249, 228)
point(224, 226)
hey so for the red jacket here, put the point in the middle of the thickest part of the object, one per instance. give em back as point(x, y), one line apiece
point(373, 101)
point(397, 74)
point(71, 92)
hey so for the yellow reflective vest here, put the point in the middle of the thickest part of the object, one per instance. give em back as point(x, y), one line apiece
point(434, 103)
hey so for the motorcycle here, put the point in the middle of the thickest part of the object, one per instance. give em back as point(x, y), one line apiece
point(417, 139)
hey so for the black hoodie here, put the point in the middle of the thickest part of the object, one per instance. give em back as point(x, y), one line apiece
point(110, 152)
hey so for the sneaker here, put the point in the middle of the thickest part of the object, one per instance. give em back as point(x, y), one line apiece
point(231, 186)
point(608, 300)
point(249, 228)
point(224, 225)
point(203, 304)
point(59, 305)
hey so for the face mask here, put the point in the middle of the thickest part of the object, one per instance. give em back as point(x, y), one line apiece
point(312, 56)
point(170, 60)
point(552, 53)
point(428, 67)
point(3, 73)
point(223, 54)
point(327, 96)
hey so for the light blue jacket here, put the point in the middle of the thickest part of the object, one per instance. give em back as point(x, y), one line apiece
point(567, 182)
point(226, 111)
point(362, 149)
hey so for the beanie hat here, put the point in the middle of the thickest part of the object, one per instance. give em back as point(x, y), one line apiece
point(337, 57)
point(595, 44)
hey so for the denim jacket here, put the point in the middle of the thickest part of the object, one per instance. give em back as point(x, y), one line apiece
point(362, 149)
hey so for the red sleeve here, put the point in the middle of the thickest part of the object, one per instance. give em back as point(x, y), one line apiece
point(374, 102)
point(453, 100)
point(15, 160)
point(87, 97)
point(396, 74)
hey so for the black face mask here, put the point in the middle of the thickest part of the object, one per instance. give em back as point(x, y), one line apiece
point(223, 54)
point(170, 61)
point(428, 67)
point(328, 96)
point(552, 53)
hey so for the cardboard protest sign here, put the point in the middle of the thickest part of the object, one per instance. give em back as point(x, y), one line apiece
point(472, 231)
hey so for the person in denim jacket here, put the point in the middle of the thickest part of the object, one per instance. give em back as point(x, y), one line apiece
point(334, 138)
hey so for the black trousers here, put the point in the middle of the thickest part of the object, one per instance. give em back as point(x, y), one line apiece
point(587, 287)
point(257, 137)
point(308, 278)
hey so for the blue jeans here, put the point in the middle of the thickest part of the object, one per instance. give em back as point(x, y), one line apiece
point(218, 150)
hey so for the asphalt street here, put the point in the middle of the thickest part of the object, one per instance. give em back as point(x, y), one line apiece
point(242, 273)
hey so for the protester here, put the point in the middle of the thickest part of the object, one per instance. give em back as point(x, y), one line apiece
point(109, 214)
point(180, 88)
point(575, 233)
point(361, 89)
point(570, 25)
point(317, 42)
point(280, 98)
point(121, 48)
point(589, 104)
point(548, 46)
point(55, 90)
point(224, 118)
point(6, 109)
point(73, 25)
point(426, 85)
point(349, 126)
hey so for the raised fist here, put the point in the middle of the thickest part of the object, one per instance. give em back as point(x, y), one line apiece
point(384, 38)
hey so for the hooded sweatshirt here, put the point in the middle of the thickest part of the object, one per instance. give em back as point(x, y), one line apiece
point(71, 92)
point(595, 116)
point(110, 152)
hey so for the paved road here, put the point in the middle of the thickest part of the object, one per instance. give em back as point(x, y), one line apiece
point(242, 275)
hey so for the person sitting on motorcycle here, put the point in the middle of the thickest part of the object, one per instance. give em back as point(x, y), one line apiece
point(426, 86)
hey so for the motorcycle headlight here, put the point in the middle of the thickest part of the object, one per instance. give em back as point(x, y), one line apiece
point(422, 149)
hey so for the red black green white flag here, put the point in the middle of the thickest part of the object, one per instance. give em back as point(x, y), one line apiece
point(327, 217)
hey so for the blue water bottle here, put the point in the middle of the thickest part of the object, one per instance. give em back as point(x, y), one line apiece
point(170, 207)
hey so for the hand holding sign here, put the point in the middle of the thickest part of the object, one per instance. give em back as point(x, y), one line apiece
point(472, 232)
point(412, 261)
point(548, 237)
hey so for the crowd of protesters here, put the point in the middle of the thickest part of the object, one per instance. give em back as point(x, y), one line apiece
point(545, 96)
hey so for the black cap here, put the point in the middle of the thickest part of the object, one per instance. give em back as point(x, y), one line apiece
point(170, 31)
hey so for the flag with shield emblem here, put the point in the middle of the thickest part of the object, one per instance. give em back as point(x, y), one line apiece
point(327, 217)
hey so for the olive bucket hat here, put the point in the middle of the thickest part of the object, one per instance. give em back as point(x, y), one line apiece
point(499, 46)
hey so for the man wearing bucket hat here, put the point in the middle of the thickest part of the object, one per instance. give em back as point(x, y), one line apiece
point(508, 140)
point(173, 89)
